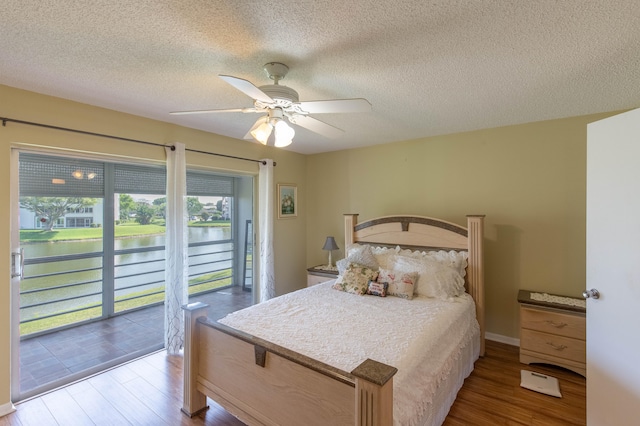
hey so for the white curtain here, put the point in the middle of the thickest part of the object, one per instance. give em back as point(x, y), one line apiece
point(176, 256)
point(266, 201)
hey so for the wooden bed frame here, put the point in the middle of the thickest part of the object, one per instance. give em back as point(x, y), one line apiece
point(265, 384)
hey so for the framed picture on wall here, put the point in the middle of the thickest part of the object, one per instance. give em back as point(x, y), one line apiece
point(287, 200)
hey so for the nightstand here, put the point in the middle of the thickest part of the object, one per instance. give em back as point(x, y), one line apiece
point(552, 332)
point(321, 273)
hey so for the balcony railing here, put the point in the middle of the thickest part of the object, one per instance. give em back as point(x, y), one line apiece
point(60, 291)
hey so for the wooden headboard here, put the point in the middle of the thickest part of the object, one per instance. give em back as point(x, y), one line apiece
point(426, 233)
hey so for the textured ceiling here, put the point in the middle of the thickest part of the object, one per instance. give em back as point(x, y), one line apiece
point(427, 67)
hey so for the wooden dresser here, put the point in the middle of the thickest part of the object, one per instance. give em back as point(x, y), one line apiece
point(320, 274)
point(552, 333)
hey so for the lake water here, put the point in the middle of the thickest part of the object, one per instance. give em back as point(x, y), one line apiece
point(134, 272)
point(58, 248)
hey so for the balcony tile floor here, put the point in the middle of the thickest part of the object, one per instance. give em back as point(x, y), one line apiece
point(64, 356)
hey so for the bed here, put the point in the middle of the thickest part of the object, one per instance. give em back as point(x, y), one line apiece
point(315, 367)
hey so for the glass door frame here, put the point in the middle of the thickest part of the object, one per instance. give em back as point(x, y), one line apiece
point(14, 303)
point(108, 243)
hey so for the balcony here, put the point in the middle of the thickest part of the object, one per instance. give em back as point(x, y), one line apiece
point(64, 356)
point(66, 332)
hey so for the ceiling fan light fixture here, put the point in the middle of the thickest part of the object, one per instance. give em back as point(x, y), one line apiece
point(283, 134)
point(282, 103)
point(262, 132)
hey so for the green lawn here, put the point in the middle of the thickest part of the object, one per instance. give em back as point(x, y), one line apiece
point(131, 229)
point(216, 224)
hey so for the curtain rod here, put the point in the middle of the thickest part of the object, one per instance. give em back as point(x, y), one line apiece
point(102, 135)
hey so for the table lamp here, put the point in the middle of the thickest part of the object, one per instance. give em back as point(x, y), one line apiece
point(330, 245)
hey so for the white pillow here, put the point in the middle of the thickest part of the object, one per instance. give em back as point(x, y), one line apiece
point(384, 256)
point(354, 248)
point(436, 279)
point(362, 255)
point(455, 259)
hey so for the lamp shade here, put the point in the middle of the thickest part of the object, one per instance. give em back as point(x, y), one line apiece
point(262, 132)
point(330, 244)
point(283, 134)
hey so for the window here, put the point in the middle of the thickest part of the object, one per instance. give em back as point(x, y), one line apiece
point(108, 221)
point(79, 222)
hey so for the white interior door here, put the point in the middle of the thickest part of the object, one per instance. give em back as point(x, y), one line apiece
point(613, 256)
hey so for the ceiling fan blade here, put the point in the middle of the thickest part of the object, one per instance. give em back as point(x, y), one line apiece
point(208, 111)
point(247, 88)
point(316, 126)
point(335, 106)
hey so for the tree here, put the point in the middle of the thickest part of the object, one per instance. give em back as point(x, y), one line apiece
point(160, 201)
point(160, 205)
point(219, 205)
point(205, 216)
point(127, 206)
point(194, 206)
point(144, 213)
point(50, 209)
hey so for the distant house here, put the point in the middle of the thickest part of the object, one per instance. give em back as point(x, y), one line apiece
point(85, 217)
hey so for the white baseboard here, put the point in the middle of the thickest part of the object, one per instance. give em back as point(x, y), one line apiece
point(502, 339)
point(7, 408)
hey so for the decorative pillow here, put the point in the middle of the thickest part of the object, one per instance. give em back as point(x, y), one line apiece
point(355, 279)
point(401, 284)
point(436, 279)
point(377, 289)
point(361, 255)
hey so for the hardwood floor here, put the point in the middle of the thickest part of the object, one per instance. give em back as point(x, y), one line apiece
point(492, 395)
point(148, 391)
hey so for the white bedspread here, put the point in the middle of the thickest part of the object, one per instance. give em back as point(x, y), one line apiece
point(423, 338)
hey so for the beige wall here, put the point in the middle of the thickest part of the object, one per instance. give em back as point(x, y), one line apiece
point(529, 181)
point(290, 239)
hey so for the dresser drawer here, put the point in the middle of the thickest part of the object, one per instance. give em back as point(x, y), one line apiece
point(549, 321)
point(554, 345)
point(317, 279)
point(320, 274)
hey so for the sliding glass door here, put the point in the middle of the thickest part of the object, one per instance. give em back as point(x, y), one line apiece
point(61, 210)
point(93, 235)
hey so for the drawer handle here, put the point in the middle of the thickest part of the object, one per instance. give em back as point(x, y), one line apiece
point(556, 324)
point(557, 347)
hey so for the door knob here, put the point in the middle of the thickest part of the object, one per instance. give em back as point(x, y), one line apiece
point(593, 293)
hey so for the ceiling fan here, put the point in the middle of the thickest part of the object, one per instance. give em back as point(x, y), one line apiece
point(281, 104)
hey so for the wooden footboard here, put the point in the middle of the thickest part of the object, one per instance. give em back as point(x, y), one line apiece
point(266, 384)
